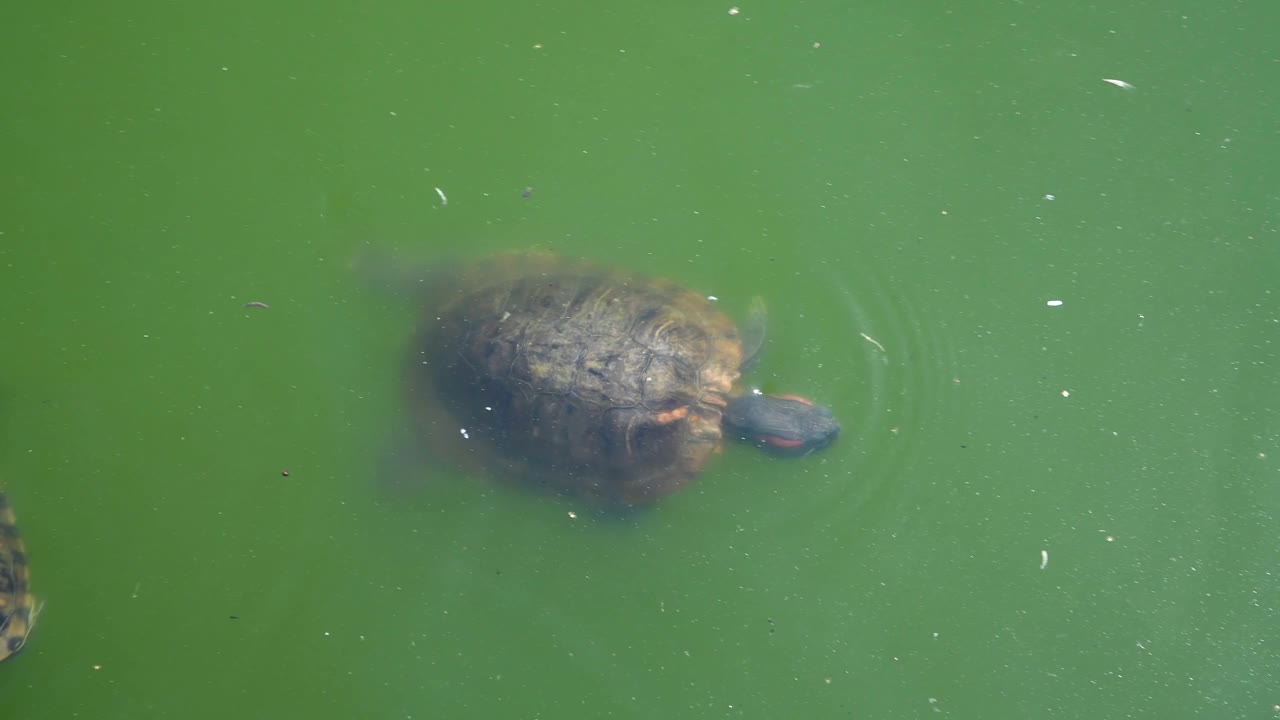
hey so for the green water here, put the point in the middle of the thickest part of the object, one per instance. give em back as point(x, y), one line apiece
point(908, 196)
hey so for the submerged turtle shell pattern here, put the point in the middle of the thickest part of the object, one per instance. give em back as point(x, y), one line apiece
point(17, 605)
point(601, 382)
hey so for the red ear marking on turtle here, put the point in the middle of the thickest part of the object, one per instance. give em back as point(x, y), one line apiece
point(673, 415)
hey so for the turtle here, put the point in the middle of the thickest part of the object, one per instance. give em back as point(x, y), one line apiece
point(18, 608)
point(609, 384)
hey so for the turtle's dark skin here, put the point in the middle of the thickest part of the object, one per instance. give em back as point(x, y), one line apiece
point(611, 385)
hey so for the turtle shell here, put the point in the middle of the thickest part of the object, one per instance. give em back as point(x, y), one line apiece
point(17, 605)
point(559, 372)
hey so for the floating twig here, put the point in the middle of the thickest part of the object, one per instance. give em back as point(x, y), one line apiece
point(873, 341)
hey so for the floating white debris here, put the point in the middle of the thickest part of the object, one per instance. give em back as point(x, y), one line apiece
point(1044, 559)
point(1066, 393)
point(873, 341)
point(1118, 83)
point(464, 433)
point(443, 200)
point(712, 298)
point(733, 11)
point(1054, 303)
point(1050, 197)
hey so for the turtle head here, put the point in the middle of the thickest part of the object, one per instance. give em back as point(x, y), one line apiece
point(785, 423)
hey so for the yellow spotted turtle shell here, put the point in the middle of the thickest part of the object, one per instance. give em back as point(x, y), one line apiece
point(17, 605)
point(601, 382)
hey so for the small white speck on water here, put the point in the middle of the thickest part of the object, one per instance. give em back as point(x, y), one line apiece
point(1050, 197)
point(443, 200)
point(1066, 393)
point(712, 298)
point(1044, 559)
point(1054, 303)
point(465, 436)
